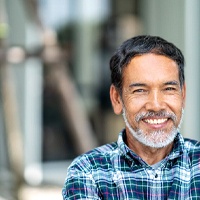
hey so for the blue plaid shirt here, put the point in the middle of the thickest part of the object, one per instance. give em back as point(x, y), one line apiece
point(113, 171)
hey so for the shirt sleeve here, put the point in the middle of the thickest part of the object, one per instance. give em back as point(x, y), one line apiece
point(79, 185)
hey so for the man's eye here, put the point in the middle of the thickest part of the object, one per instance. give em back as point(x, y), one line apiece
point(139, 91)
point(170, 88)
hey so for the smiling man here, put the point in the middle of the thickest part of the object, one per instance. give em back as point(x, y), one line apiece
point(151, 159)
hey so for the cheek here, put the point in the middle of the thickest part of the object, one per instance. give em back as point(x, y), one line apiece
point(133, 105)
point(180, 112)
point(177, 108)
point(176, 104)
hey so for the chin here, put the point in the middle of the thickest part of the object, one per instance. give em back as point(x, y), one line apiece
point(156, 139)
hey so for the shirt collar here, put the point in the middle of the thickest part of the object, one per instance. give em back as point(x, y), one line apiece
point(178, 147)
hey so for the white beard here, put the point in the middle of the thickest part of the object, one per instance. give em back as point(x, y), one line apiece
point(154, 139)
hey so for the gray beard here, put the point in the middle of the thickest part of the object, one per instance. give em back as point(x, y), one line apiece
point(154, 139)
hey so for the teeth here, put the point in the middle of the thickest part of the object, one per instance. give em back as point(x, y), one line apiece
point(156, 121)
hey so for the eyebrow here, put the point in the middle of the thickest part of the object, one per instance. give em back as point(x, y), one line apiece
point(137, 85)
point(143, 84)
point(172, 83)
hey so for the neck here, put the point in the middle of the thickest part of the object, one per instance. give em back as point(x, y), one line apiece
point(148, 154)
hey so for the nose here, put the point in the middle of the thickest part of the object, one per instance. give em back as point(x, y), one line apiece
point(155, 101)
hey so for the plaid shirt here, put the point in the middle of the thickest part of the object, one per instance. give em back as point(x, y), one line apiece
point(113, 171)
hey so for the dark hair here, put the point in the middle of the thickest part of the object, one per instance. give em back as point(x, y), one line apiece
point(140, 45)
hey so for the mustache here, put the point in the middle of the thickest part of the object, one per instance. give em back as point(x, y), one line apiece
point(161, 113)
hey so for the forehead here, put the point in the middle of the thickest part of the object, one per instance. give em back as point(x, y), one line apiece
point(151, 67)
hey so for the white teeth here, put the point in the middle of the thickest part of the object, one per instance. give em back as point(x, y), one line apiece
point(155, 121)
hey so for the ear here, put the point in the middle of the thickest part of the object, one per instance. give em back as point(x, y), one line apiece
point(116, 100)
point(184, 94)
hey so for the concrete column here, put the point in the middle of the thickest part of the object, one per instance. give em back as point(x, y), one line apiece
point(191, 127)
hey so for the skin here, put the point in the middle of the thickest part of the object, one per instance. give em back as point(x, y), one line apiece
point(150, 83)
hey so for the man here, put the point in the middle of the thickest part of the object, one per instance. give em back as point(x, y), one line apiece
point(151, 159)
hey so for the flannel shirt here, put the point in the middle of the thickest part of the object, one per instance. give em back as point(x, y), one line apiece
point(115, 172)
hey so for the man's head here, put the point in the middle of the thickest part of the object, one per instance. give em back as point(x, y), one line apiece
point(148, 86)
point(142, 45)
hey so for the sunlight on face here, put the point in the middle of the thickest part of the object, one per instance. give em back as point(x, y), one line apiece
point(154, 139)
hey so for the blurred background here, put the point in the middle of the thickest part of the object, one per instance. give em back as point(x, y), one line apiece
point(54, 81)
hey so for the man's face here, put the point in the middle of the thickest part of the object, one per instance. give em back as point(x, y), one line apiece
point(152, 99)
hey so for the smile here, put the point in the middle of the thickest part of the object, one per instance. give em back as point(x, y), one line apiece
point(155, 121)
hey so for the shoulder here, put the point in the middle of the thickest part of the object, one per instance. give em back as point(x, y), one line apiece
point(191, 145)
point(98, 157)
point(193, 149)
